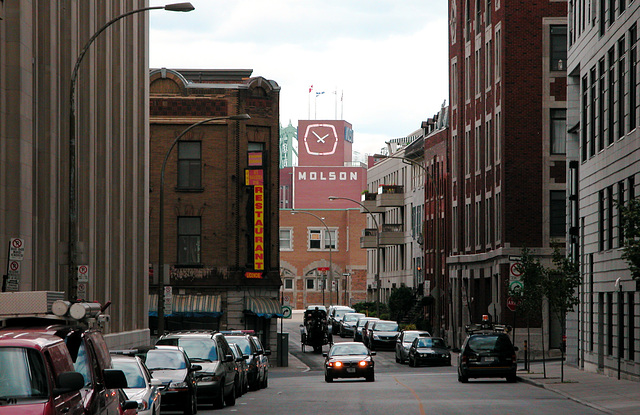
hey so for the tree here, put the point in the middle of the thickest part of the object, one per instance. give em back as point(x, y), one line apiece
point(630, 215)
point(401, 301)
point(560, 284)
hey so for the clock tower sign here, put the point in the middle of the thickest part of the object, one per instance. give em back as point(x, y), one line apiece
point(324, 142)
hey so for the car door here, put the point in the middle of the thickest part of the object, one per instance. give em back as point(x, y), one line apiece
point(224, 351)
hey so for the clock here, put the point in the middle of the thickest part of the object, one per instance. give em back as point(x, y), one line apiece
point(321, 139)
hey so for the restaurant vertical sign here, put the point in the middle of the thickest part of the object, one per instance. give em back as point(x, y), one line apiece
point(255, 177)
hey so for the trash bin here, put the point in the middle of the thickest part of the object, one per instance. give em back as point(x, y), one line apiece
point(283, 350)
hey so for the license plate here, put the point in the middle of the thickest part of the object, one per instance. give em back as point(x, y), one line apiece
point(351, 370)
point(489, 359)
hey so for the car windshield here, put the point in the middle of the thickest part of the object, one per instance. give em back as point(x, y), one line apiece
point(408, 337)
point(132, 372)
point(348, 349)
point(243, 343)
point(385, 327)
point(165, 359)
point(362, 322)
point(340, 313)
point(351, 317)
point(22, 373)
point(489, 344)
point(203, 349)
point(430, 342)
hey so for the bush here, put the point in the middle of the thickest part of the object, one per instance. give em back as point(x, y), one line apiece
point(401, 301)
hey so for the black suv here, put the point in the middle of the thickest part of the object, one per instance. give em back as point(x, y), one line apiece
point(487, 352)
point(218, 380)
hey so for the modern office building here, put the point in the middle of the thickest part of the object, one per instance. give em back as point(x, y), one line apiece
point(507, 144)
point(40, 42)
point(219, 257)
point(604, 152)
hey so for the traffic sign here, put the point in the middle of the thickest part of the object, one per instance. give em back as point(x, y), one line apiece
point(515, 270)
point(323, 268)
point(511, 304)
point(16, 249)
point(516, 286)
point(286, 300)
point(83, 273)
point(286, 311)
point(13, 269)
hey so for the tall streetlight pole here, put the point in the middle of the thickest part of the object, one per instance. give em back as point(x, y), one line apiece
point(293, 212)
point(377, 275)
point(73, 202)
point(436, 227)
point(161, 212)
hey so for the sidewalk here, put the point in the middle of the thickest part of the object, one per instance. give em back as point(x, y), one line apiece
point(604, 393)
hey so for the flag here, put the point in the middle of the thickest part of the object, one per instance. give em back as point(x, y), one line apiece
point(310, 88)
point(319, 93)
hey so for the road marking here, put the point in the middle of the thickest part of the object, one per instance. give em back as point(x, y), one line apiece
point(415, 395)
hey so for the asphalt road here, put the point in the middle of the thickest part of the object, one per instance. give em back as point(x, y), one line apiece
point(398, 389)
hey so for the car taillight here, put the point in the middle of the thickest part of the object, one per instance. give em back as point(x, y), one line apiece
point(465, 358)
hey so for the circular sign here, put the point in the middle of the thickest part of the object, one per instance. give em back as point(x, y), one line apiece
point(511, 304)
point(83, 269)
point(516, 286)
point(515, 269)
point(14, 265)
point(16, 243)
point(286, 311)
point(286, 299)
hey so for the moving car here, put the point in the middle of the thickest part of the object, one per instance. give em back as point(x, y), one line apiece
point(256, 369)
point(429, 351)
point(349, 360)
point(171, 365)
point(217, 378)
point(403, 343)
point(348, 324)
point(381, 334)
point(487, 352)
point(335, 316)
point(141, 387)
point(358, 331)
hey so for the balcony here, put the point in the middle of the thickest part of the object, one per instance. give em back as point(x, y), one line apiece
point(392, 234)
point(390, 196)
point(369, 202)
point(369, 238)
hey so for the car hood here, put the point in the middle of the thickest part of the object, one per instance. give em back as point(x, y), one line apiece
point(135, 394)
point(432, 350)
point(170, 375)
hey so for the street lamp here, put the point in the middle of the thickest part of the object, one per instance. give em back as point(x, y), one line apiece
point(293, 212)
point(377, 275)
point(161, 212)
point(73, 202)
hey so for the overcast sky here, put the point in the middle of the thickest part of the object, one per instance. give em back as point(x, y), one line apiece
point(387, 59)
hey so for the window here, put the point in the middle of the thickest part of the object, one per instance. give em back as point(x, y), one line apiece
point(321, 239)
point(467, 153)
point(601, 104)
point(478, 222)
point(477, 141)
point(611, 89)
point(621, 87)
point(558, 53)
point(478, 16)
point(498, 222)
point(189, 165)
point(610, 203)
point(288, 283)
point(557, 214)
point(633, 77)
point(310, 283)
point(487, 64)
point(285, 239)
point(601, 220)
point(189, 235)
point(498, 138)
point(487, 144)
point(488, 13)
point(498, 54)
point(558, 131)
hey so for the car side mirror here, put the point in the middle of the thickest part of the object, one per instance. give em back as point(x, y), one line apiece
point(68, 382)
point(372, 353)
point(130, 405)
point(155, 382)
point(267, 352)
point(114, 379)
point(245, 356)
point(195, 368)
point(239, 359)
point(229, 358)
point(515, 348)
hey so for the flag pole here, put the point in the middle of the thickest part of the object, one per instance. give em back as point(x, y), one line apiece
point(335, 98)
point(309, 103)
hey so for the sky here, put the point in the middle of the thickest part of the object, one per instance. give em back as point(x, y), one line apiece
point(382, 64)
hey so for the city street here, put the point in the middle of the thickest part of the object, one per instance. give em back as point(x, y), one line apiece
point(301, 389)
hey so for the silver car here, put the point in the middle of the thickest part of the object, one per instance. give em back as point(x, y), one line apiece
point(142, 388)
point(403, 343)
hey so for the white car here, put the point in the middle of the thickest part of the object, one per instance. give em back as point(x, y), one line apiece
point(142, 388)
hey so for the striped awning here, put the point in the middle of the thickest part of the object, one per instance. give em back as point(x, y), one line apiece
point(263, 307)
point(188, 305)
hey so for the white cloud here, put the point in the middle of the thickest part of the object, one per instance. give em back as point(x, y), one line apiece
point(388, 57)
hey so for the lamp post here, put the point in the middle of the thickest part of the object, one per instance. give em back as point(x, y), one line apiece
point(436, 227)
point(377, 274)
point(293, 212)
point(161, 212)
point(73, 202)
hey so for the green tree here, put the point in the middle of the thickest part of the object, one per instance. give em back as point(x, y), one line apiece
point(630, 215)
point(529, 297)
point(400, 302)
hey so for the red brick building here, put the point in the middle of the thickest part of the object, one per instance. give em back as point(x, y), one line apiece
point(220, 199)
point(508, 123)
point(320, 256)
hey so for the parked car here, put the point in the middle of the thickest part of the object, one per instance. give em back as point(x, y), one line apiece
point(382, 334)
point(429, 351)
point(256, 369)
point(241, 368)
point(487, 352)
point(217, 379)
point(171, 365)
point(359, 329)
point(336, 313)
point(263, 357)
point(349, 360)
point(141, 387)
point(403, 343)
point(348, 324)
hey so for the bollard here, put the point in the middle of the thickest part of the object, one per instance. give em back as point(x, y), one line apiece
point(526, 356)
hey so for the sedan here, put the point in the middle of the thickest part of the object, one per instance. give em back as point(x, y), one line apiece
point(403, 343)
point(430, 351)
point(141, 387)
point(348, 324)
point(349, 360)
point(242, 368)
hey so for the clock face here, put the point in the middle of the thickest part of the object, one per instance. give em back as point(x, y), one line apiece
point(321, 139)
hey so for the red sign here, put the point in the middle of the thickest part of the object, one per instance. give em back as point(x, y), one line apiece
point(253, 275)
point(511, 304)
point(323, 268)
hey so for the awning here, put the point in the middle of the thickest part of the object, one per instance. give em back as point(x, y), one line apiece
point(188, 305)
point(263, 307)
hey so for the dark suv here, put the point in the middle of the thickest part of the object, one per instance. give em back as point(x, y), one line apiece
point(487, 352)
point(218, 380)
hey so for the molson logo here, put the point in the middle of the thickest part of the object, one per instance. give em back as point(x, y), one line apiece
point(328, 175)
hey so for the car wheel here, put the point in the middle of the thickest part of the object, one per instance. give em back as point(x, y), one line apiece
point(230, 399)
point(463, 379)
point(238, 387)
point(412, 362)
point(265, 382)
point(397, 358)
point(191, 407)
point(370, 378)
point(512, 379)
point(218, 402)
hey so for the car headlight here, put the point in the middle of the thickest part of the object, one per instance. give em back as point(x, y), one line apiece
point(363, 363)
point(178, 385)
point(142, 405)
point(209, 378)
point(375, 336)
point(445, 355)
